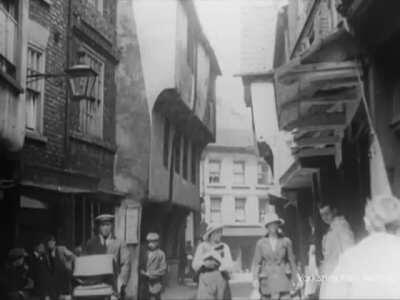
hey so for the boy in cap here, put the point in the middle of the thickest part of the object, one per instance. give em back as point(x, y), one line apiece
point(106, 243)
point(212, 284)
point(153, 267)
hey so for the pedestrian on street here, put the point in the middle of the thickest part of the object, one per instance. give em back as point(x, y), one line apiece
point(273, 253)
point(371, 269)
point(14, 280)
point(212, 285)
point(153, 267)
point(189, 259)
point(104, 242)
point(40, 272)
point(338, 238)
point(212, 242)
point(59, 261)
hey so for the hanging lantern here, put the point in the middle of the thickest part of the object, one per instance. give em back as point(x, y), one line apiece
point(82, 79)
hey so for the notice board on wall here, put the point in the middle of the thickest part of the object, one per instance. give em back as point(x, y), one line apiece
point(132, 221)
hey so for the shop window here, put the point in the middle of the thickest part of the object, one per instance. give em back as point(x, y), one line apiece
point(167, 129)
point(240, 210)
point(34, 90)
point(214, 175)
point(239, 172)
point(215, 210)
point(86, 211)
point(91, 110)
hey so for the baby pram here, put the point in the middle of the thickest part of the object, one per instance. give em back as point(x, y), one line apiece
point(94, 277)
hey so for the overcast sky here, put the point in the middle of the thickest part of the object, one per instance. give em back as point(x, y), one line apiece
point(221, 21)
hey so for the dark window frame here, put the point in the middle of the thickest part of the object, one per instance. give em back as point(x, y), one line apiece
point(242, 200)
point(194, 164)
point(166, 144)
point(185, 163)
point(213, 210)
point(177, 153)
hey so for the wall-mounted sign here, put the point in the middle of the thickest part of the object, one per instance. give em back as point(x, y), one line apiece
point(26, 202)
point(132, 221)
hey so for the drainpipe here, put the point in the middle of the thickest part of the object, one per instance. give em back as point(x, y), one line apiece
point(67, 95)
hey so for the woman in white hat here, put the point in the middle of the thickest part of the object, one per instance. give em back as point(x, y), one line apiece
point(212, 242)
point(272, 254)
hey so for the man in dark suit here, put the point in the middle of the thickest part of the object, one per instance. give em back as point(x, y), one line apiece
point(39, 271)
point(106, 243)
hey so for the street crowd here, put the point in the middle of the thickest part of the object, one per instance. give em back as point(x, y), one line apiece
point(367, 270)
point(46, 273)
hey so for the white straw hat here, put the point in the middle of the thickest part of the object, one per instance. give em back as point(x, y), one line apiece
point(210, 230)
point(272, 218)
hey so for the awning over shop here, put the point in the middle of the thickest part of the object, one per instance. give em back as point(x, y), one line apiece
point(59, 181)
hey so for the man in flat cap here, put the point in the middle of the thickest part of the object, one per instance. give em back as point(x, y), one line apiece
point(106, 243)
point(153, 267)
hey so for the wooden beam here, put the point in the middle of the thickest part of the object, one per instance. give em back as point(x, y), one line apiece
point(311, 152)
point(318, 122)
point(317, 141)
point(347, 96)
point(324, 71)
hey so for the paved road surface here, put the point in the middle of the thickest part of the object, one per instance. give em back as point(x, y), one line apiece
point(241, 290)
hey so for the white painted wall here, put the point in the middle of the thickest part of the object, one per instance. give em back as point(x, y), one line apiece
point(266, 124)
point(156, 22)
point(228, 191)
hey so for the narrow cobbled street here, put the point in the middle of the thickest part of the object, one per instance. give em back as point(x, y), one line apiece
point(241, 286)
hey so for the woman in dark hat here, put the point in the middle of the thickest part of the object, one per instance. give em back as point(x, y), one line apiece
point(272, 254)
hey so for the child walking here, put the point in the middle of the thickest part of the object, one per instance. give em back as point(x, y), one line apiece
point(153, 268)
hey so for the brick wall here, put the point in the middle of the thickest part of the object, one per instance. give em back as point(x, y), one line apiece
point(94, 157)
point(50, 153)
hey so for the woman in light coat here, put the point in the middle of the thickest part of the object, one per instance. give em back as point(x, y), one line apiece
point(273, 253)
point(212, 242)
